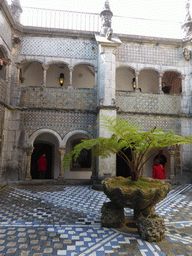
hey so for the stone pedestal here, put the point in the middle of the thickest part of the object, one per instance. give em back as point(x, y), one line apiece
point(112, 216)
point(151, 228)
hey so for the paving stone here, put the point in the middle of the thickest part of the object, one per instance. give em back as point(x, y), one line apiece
point(65, 220)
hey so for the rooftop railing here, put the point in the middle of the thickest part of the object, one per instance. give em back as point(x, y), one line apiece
point(83, 21)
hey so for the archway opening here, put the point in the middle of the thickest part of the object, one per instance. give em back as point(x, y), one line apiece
point(39, 149)
point(84, 160)
point(122, 169)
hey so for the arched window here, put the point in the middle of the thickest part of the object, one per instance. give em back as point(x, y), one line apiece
point(83, 162)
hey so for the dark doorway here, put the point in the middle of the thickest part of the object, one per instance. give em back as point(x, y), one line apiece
point(122, 169)
point(39, 150)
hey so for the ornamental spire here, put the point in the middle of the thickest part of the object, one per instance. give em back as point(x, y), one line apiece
point(16, 9)
point(106, 16)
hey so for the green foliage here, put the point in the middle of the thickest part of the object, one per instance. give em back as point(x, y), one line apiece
point(126, 135)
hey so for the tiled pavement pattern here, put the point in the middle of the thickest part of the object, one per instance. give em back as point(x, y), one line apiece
point(65, 220)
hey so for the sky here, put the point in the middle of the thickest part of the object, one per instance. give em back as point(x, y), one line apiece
point(165, 10)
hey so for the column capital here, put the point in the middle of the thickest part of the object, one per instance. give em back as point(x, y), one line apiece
point(95, 69)
point(182, 76)
point(160, 74)
point(71, 68)
point(136, 72)
point(18, 65)
point(29, 151)
point(45, 67)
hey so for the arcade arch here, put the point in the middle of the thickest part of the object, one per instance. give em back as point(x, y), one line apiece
point(46, 142)
point(32, 73)
point(148, 81)
point(83, 76)
point(79, 169)
point(173, 80)
point(124, 78)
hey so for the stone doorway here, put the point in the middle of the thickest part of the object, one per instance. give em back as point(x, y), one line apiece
point(39, 149)
point(122, 168)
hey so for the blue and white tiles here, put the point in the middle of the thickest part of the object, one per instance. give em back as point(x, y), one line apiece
point(81, 233)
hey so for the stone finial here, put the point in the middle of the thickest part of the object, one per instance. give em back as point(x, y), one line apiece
point(16, 9)
point(188, 15)
point(187, 26)
point(106, 16)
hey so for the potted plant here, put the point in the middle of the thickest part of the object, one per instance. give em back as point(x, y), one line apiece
point(135, 192)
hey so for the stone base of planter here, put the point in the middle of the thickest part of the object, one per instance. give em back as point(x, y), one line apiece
point(112, 216)
point(151, 228)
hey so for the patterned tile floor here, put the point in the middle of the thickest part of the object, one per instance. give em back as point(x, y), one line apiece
point(65, 220)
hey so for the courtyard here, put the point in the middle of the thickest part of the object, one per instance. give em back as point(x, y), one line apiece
point(46, 219)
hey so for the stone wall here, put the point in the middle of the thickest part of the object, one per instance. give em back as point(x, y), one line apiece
point(13, 144)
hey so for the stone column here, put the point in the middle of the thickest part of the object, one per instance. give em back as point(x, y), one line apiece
point(70, 77)
point(172, 151)
point(183, 84)
point(29, 153)
point(137, 80)
point(106, 96)
point(18, 66)
point(61, 171)
point(45, 67)
point(7, 67)
point(160, 82)
point(96, 76)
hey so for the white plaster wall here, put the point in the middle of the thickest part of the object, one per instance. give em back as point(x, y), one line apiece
point(83, 77)
point(148, 81)
point(53, 74)
point(33, 74)
point(124, 77)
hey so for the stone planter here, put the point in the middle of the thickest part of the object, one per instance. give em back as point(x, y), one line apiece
point(142, 201)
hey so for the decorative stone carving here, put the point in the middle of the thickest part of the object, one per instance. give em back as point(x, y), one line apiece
point(186, 54)
point(151, 228)
point(187, 26)
point(106, 16)
point(112, 216)
point(109, 33)
point(16, 9)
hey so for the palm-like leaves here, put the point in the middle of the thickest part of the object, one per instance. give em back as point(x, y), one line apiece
point(126, 135)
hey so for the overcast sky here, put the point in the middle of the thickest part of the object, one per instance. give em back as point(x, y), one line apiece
point(153, 9)
point(172, 11)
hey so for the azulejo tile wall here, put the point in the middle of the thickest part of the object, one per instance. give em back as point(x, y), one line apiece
point(150, 54)
point(1, 122)
point(58, 120)
point(149, 103)
point(58, 98)
point(3, 91)
point(5, 31)
point(55, 47)
point(148, 122)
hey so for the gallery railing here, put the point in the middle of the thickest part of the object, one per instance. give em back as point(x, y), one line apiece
point(83, 21)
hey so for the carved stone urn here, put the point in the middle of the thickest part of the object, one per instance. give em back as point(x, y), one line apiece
point(141, 198)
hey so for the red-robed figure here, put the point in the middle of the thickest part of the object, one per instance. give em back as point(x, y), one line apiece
point(158, 170)
point(42, 166)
